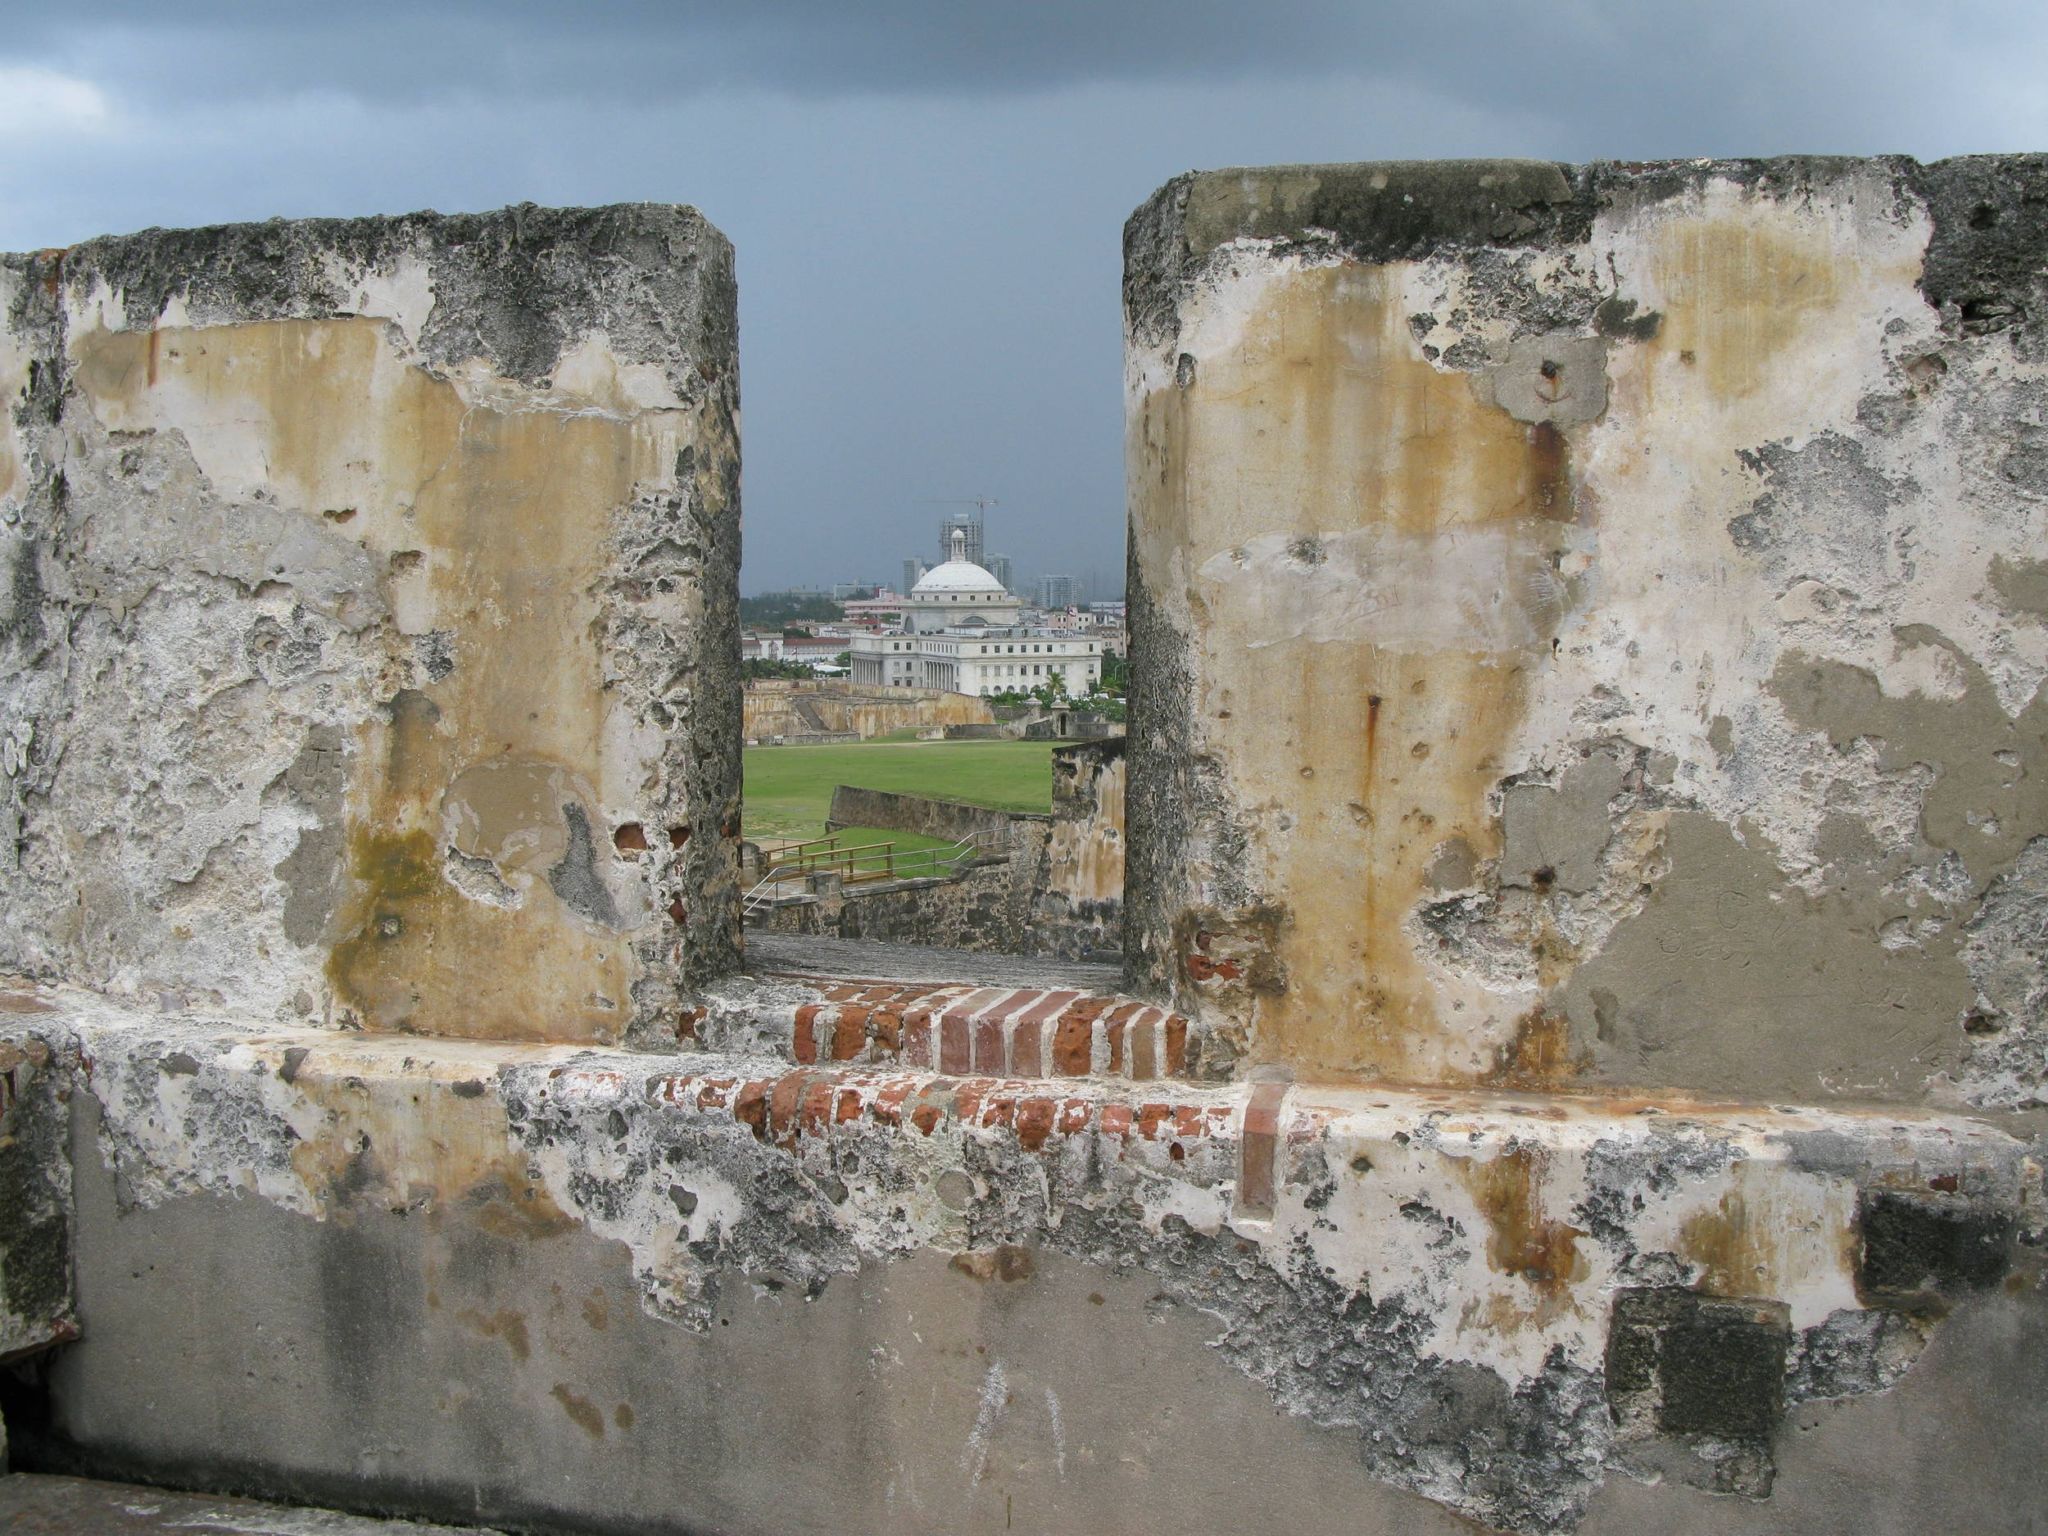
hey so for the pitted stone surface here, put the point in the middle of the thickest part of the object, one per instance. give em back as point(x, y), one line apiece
point(362, 579)
point(1587, 626)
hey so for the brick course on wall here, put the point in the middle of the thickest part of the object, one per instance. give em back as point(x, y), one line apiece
point(1022, 1032)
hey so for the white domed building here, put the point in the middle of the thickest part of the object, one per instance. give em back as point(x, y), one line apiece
point(961, 632)
point(958, 595)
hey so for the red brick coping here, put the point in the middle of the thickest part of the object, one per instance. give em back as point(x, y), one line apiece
point(990, 1031)
point(810, 1102)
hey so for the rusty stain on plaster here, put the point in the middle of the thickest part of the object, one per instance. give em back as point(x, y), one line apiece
point(587, 1415)
point(499, 759)
point(1326, 423)
point(1736, 293)
point(1761, 1239)
point(503, 1324)
point(1539, 1055)
point(1521, 1239)
point(1723, 1242)
point(443, 1150)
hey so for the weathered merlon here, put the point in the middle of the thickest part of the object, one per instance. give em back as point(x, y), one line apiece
point(1585, 626)
point(369, 632)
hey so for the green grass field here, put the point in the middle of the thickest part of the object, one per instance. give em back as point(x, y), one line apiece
point(789, 789)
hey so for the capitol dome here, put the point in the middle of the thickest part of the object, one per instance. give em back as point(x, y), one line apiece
point(956, 576)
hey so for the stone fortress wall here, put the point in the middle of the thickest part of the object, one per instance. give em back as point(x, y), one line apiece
point(1049, 885)
point(1585, 1059)
point(799, 711)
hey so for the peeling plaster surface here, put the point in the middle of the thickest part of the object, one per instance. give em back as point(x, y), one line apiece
point(1448, 482)
point(1435, 1277)
point(365, 579)
point(1085, 851)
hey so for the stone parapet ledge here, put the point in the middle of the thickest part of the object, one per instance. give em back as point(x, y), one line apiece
point(1506, 1300)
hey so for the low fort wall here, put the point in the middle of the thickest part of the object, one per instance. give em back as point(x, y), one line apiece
point(852, 807)
point(818, 712)
point(1058, 889)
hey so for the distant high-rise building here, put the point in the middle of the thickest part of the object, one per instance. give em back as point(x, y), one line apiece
point(998, 566)
point(968, 523)
point(1056, 592)
point(913, 572)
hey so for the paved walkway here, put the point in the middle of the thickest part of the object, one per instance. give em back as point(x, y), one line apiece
point(33, 1505)
point(793, 954)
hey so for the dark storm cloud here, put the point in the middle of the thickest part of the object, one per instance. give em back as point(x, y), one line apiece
point(1712, 67)
point(388, 49)
point(926, 194)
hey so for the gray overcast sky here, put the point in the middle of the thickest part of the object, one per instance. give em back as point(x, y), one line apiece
point(927, 195)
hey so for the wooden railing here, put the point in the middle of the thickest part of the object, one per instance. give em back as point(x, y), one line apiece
point(855, 863)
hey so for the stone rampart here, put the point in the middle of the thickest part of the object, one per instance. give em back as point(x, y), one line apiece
point(1470, 1311)
point(1584, 852)
point(821, 711)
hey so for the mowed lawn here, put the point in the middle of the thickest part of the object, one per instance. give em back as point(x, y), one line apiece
point(789, 789)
